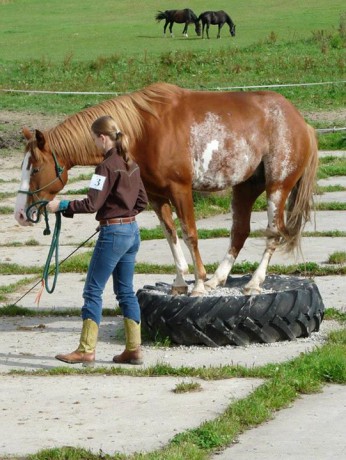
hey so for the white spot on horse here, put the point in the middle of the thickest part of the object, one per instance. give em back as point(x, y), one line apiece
point(208, 153)
point(202, 162)
point(19, 211)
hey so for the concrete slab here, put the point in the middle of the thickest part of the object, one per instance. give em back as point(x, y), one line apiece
point(337, 180)
point(73, 231)
point(313, 428)
point(125, 414)
point(330, 197)
point(212, 250)
point(101, 414)
point(112, 413)
point(322, 221)
point(31, 344)
point(332, 153)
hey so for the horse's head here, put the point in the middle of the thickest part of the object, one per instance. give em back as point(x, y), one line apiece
point(42, 177)
point(232, 29)
point(198, 27)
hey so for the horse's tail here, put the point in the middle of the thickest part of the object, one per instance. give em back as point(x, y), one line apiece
point(300, 202)
point(160, 15)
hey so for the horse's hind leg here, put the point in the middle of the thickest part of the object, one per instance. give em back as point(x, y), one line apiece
point(185, 29)
point(163, 210)
point(276, 230)
point(243, 197)
point(165, 27)
point(171, 29)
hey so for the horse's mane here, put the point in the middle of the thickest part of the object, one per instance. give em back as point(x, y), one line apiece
point(71, 139)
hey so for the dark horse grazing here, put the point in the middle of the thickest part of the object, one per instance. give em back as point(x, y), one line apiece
point(186, 16)
point(218, 18)
point(187, 140)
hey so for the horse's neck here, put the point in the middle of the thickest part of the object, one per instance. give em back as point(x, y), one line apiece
point(93, 161)
point(75, 153)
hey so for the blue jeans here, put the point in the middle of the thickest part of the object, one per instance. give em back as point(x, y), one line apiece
point(114, 254)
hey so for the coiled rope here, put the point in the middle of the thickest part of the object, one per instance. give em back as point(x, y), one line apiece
point(41, 207)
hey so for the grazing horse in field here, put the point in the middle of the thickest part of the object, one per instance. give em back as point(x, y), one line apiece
point(187, 140)
point(218, 18)
point(186, 16)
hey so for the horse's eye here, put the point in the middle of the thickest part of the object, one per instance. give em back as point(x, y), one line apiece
point(34, 171)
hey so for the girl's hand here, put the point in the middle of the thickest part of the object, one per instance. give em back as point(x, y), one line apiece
point(53, 206)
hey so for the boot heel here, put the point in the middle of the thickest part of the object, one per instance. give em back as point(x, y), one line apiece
point(88, 364)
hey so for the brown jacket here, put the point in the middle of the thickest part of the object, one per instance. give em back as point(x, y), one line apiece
point(114, 191)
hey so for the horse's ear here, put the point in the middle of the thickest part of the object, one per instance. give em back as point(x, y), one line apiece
point(27, 133)
point(40, 139)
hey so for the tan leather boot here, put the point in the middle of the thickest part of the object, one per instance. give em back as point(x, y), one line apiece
point(85, 352)
point(132, 353)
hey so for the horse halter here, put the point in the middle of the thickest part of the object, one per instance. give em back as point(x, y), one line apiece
point(59, 170)
point(40, 205)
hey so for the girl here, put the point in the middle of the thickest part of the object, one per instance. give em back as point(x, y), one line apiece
point(117, 195)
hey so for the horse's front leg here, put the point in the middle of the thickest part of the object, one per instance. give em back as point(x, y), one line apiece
point(183, 202)
point(243, 198)
point(164, 212)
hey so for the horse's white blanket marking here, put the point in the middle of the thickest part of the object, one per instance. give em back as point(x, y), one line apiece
point(219, 158)
point(283, 148)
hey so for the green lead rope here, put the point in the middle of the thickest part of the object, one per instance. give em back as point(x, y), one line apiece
point(54, 246)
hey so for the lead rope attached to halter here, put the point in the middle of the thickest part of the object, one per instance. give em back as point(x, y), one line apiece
point(54, 246)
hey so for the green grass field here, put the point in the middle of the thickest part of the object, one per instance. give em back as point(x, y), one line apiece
point(85, 30)
point(117, 46)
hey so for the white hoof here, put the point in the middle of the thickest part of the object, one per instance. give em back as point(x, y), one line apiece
point(252, 290)
point(197, 293)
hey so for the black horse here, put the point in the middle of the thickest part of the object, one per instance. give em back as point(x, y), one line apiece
point(216, 18)
point(186, 16)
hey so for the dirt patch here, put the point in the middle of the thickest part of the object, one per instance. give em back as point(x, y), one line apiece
point(12, 123)
point(333, 117)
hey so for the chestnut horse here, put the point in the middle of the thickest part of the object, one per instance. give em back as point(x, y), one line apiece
point(187, 140)
point(186, 16)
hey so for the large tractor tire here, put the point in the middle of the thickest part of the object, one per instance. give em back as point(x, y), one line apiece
point(289, 308)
